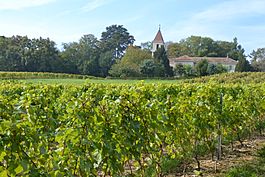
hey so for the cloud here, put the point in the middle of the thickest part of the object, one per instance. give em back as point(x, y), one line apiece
point(230, 10)
point(218, 19)
point(224, 21)
point(94, 4)
point(21, 4)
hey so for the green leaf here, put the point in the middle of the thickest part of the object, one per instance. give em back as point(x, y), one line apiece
point(2, 155)
point(19, 169)
point(4, 173)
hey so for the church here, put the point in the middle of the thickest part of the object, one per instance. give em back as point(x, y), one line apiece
point(158, 41)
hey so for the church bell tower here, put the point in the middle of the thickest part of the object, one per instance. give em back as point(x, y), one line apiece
point(158, 41)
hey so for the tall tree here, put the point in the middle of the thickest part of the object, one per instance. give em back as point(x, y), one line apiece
point(116, 38)
point(237, 51)
point(69, 57)
point(243, 65)
point(82, 57)
point(258, 59)
point(113, 43)
point(160, 56)
point(105, 62)
point(89, 51)
point(19, 53)
point(146, 45)
point(43, 56)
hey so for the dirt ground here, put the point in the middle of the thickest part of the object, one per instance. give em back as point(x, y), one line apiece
point(230, 158)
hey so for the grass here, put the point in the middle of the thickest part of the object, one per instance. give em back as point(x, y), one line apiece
point(254, 168)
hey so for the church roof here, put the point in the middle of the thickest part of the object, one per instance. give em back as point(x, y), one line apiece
point(221, 60)
point(158, 38)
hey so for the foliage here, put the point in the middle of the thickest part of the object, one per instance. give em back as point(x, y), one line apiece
point(87, 56)
point(253, 169)
point(40, 75)
point(197, 46)
point(82, 57)
point(150, 68)
point(122, 69)
point(201, 67)
point(105, 62)
point(180, 70)
point(244, 171)
point(129, 65)
point(116, 38)
point(19, 53)
point(146, 45)
point(97, 129)
point(243, 65)
point(238, 77)
point(160, 56)
point(258, 59)
point(216, 69)
point(189, 70)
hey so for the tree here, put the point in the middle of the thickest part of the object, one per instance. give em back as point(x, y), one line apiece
point(69, 57)
point(83, 56)
point(160, 56)
point(258, 59)
point(197, 46)
point(150, 68)
point(243, 65)
point(116, 39)
point(19, 53)
point(113, 43)
point(146, 45)
point(236, 52)
point(179, 70)
point(105, 62)
point(189, 70)
point(121, 69)
point(201, 67)
point(216, 69)
point(42, 56)
point(89, 53)
point(132, 60)
point(193, 46)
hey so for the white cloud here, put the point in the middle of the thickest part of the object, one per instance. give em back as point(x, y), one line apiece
point(230, 10)
point(94, 4)
point(20, 4)
point(223, 21)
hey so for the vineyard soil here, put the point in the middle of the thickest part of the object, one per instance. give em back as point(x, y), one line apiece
point(233, 158)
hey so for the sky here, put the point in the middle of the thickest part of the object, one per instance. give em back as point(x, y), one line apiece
point(66, 21)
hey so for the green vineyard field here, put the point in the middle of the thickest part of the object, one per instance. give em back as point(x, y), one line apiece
point(118, 130)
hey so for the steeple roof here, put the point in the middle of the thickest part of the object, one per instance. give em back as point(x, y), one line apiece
point(159, 37)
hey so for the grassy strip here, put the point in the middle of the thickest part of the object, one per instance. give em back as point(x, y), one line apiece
point(254, 168)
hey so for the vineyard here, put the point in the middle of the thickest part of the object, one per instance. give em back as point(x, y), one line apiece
point(239, 77)
point(122, 130)
point(41, 75)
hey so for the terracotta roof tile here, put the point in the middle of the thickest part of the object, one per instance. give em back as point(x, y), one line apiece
point(158, 38)
point(221, 60)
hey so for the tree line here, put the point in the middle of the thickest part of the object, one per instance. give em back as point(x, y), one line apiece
point(114, 55)
point(90, 56)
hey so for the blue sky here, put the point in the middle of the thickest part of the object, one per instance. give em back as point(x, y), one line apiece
point(68, 20)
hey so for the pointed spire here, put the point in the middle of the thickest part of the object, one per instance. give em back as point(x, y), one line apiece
point(159, 37)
